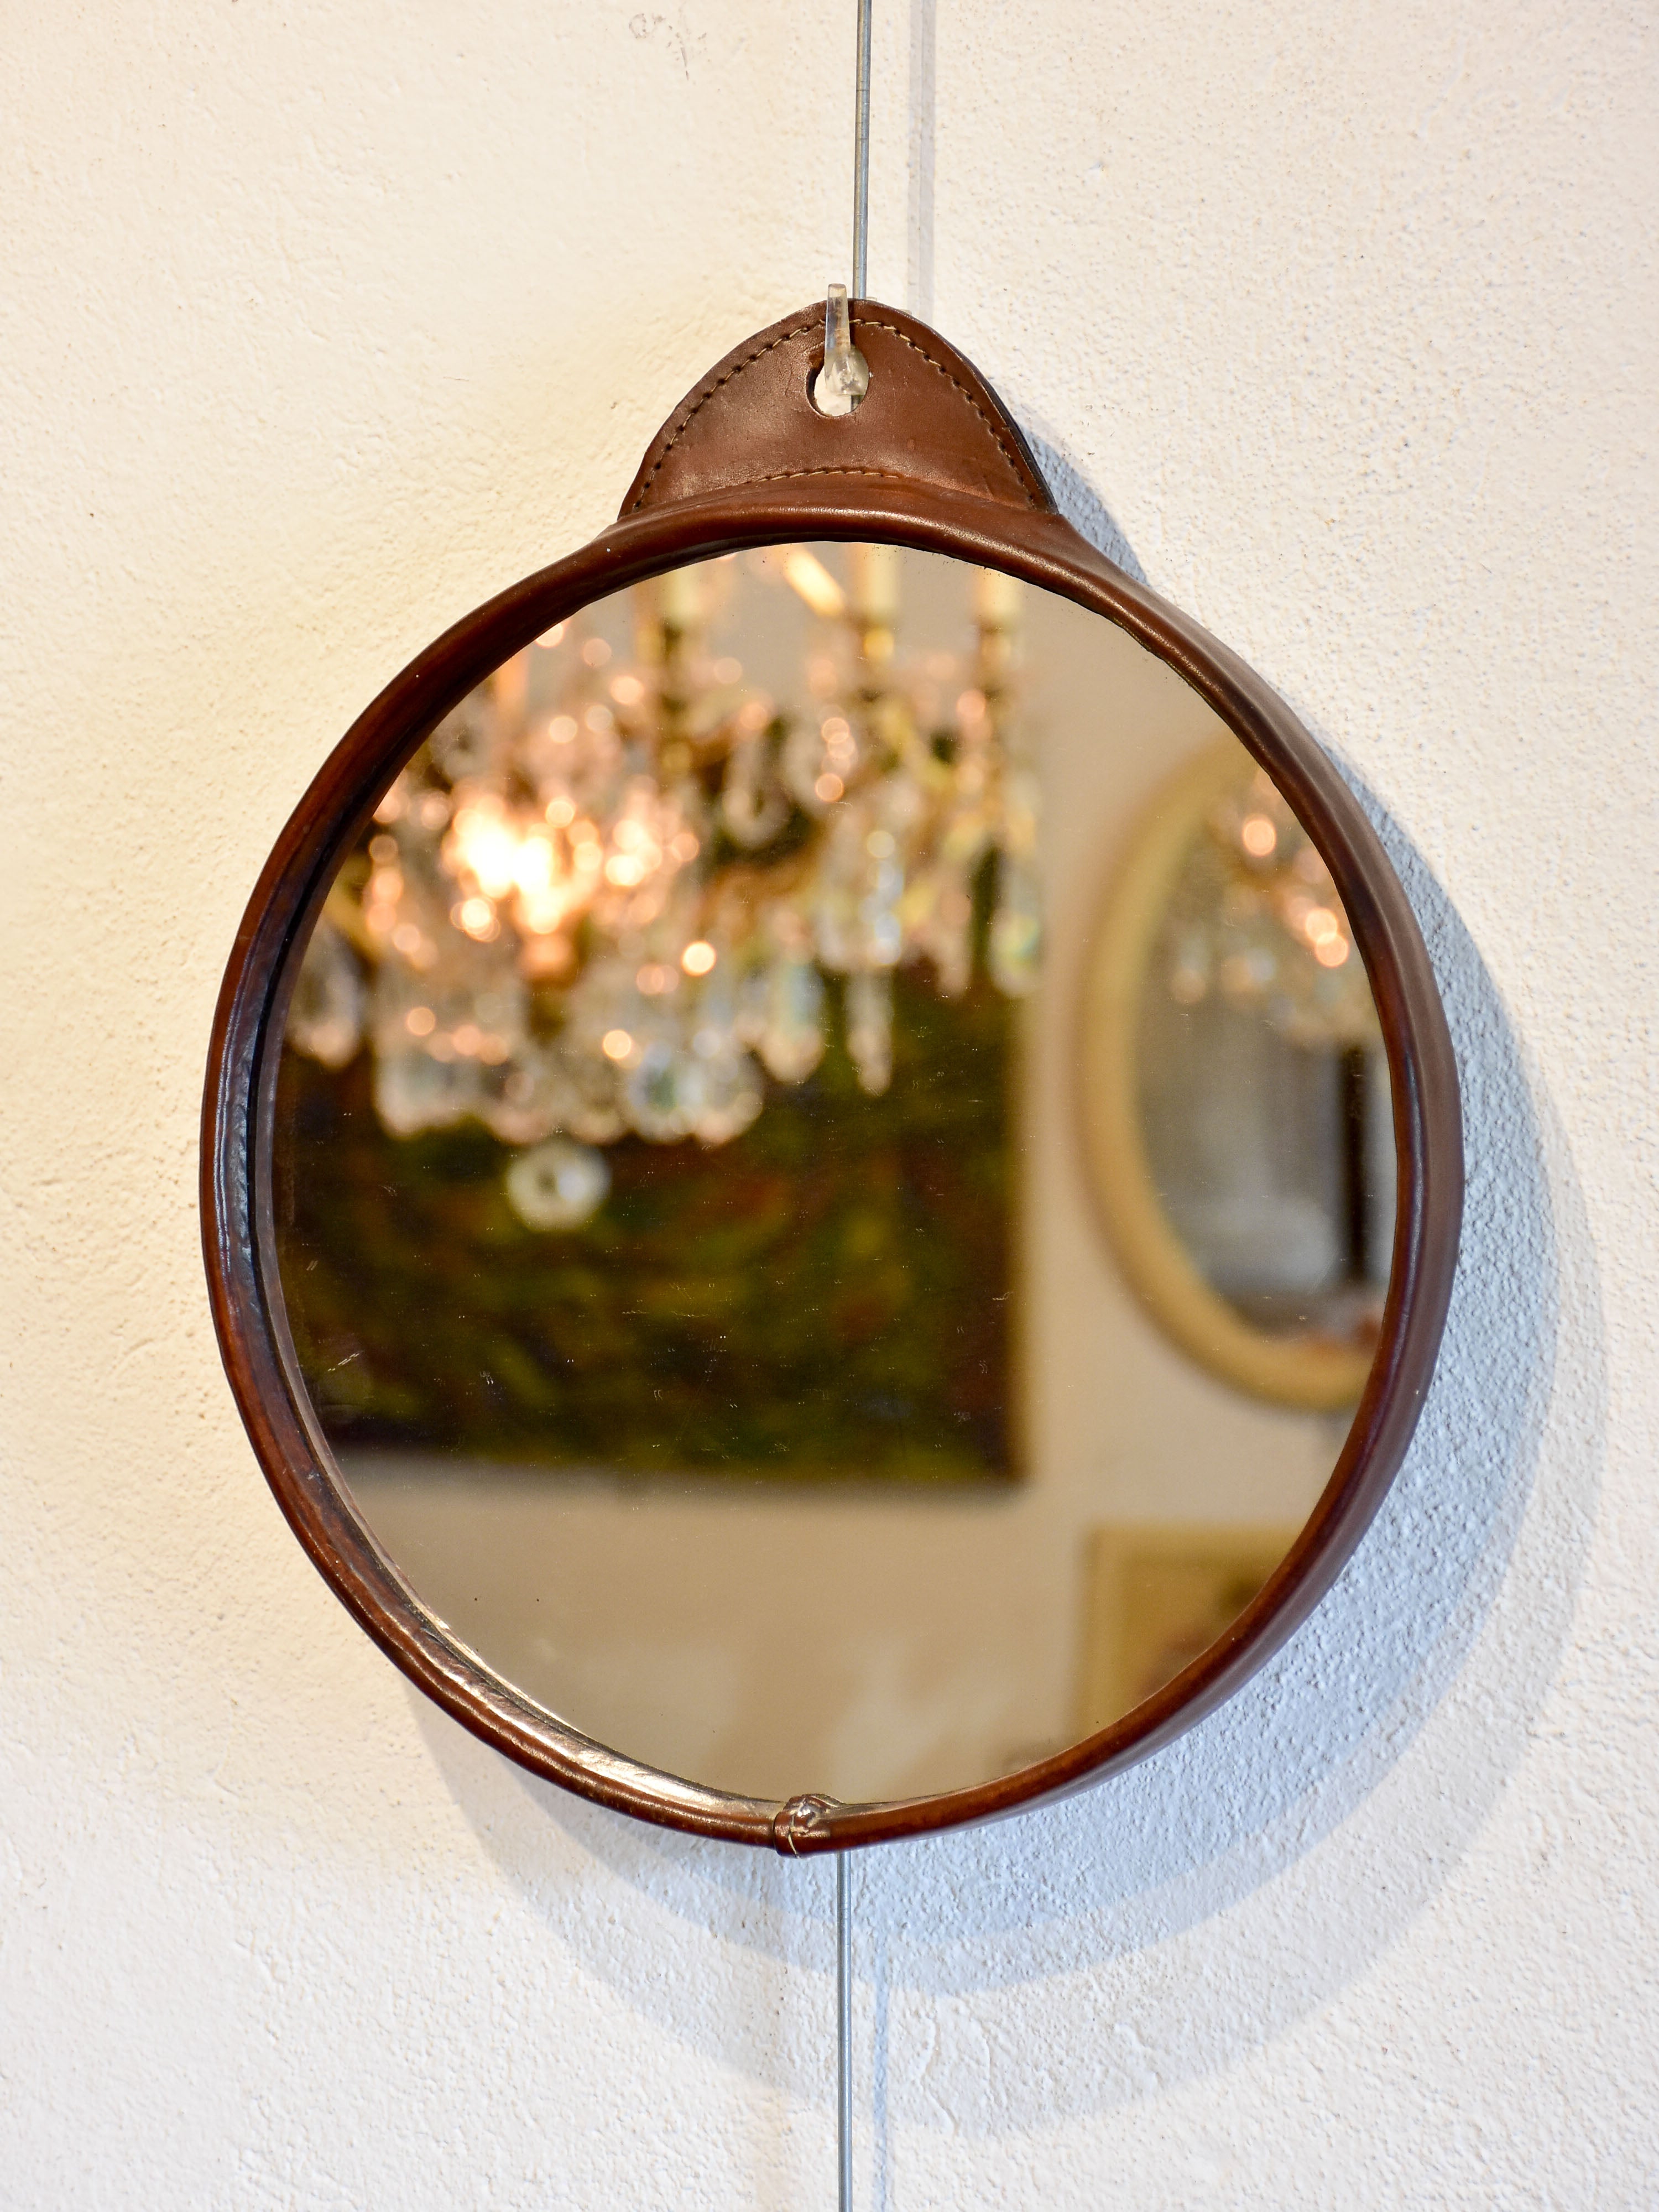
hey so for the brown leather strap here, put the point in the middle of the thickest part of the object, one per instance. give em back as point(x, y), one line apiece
point(929, 419)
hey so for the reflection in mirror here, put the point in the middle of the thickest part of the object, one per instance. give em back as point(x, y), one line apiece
point(1235, 1090)
point(1261, 1070)
point(684, 1224)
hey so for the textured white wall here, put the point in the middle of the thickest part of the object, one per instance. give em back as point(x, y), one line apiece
point(322, 322)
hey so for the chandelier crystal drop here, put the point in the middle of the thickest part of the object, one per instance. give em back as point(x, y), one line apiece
point(616, 894)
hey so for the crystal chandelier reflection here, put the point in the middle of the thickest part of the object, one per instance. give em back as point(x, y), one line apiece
point(606, 898)
point(1256, 922)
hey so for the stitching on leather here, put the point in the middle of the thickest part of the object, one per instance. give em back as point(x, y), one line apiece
point(998, 436)
point(830, 469)
point(698, 404)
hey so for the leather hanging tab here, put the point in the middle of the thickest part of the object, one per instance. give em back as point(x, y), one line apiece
point(929, 419)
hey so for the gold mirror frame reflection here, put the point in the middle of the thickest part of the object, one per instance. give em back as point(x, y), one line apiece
point(1310, 1376)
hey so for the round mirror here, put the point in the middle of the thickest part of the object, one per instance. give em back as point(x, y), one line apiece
point(691, 1248)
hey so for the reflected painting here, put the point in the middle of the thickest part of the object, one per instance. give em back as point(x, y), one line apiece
point(648, 1092)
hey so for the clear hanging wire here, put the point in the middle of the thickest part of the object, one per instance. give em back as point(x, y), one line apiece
point(837, 333)
point(844, 2027)
point(844, 379)
point(861, 158)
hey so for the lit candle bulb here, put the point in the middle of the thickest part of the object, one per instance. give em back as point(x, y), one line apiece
point(996, 599)
point(682, 599)
point(872, 574)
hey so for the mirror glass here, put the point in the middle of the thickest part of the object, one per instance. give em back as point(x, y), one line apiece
point(695, 1183)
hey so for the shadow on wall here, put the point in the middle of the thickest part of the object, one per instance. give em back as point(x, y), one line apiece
point(1083, 508)
point(1165, 1924)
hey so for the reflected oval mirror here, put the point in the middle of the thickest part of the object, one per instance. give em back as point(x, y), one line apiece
point(1237, 1105)
point(696, 1269)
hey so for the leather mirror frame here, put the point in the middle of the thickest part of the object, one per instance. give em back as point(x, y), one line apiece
point(930, 460)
